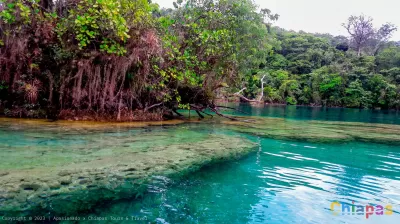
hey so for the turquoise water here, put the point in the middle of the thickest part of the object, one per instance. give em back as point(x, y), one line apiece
point(283, 182)
point(321, 113)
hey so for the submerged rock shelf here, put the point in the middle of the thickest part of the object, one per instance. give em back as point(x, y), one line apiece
point(317, 131)
point(68, 167)
point(58, 171)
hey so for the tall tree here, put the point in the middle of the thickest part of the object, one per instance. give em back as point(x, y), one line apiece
point(364, 35)
point(360, 29)
point(269, 18)
point(383, 35)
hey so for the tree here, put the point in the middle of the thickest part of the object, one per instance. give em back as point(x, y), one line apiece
point(382, 36)
point(289, 91)
point(269, 18)
point(342, 47)
point(384, 94)
point(356, 96)
point(106, 56)
point(388, 58)
point(212, 44)
point(360, 29)
point(364, 35)
point(330, 89)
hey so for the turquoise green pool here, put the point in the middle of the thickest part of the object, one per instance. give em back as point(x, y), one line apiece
point(284, 182)
point(296, 171)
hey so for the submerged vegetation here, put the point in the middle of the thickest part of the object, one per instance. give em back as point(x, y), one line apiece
point(317, 131)
point(68, 168)
point(46, 173)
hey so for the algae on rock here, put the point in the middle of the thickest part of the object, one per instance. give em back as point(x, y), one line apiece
point(317, 131)
point(62, 171)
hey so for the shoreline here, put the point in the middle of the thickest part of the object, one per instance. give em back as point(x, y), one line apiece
point(89, 124)
point(300, 105)
point(158, 119)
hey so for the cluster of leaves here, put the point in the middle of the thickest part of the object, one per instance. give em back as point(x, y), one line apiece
point(315, 69)
point(129, 54)
point(51, 41)
point(103, 24)
point(210, 44)
point(18, 11)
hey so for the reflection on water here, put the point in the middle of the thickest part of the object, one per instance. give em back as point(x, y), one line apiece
point(284, 182)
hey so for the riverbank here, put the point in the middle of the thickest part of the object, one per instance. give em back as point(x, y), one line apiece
point(62, 168)
point(140, 116)
point(83, 115)
point(237, 100)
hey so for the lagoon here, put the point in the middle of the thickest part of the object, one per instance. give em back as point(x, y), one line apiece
point(281, 165)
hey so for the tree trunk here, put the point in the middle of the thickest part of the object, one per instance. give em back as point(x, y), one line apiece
point(262, 88)
point(51, 85)
point(119, 108)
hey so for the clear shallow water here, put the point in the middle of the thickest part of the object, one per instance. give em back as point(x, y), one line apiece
point(282, 182)
point(320, 113)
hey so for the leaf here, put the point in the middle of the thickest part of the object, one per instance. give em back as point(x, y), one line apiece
point(11, 5)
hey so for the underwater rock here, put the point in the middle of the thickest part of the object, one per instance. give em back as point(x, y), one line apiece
point(63, 181)
point(317, 131)
point(30, 187)
point(64, 173)
point(54, 185)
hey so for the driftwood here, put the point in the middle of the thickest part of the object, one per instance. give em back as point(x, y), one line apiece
point(239, 94)
point(221, 115)
point(244, 98)
point(197, 101)
point(200, 110)
point(262, 88)
point(200, 115)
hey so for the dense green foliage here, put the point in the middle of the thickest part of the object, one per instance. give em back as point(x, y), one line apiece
point(315, 69)
point(74, 58)
point(114, 57)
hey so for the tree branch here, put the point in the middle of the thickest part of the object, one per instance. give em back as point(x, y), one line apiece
point(152, 106)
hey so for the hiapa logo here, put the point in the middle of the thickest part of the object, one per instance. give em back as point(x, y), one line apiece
point(339, 208)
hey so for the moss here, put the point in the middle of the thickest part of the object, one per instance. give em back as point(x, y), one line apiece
point(91, 125)
point(90, 167)
point(74, 166)
point(317, 131)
